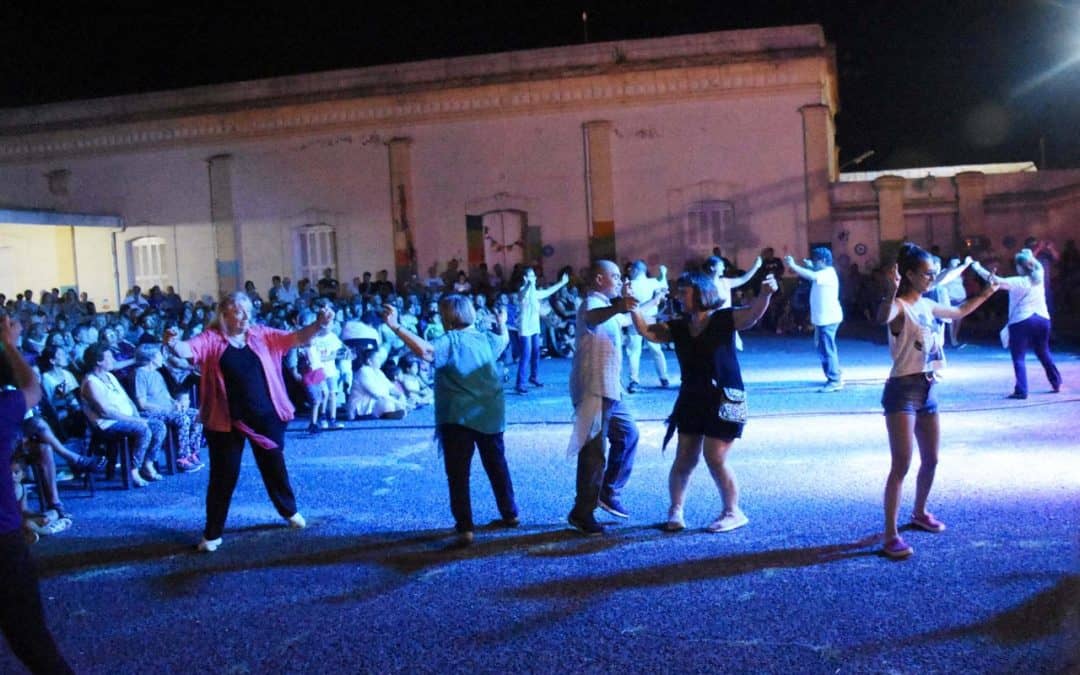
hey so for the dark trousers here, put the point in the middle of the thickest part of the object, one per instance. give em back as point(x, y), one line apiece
point(22, 617)
point(529, 359)
point(594, 479)
point(226, 451)
point(1031, 333)
point(458, 443)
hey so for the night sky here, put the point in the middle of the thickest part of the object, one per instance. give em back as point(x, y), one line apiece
point(922, 82)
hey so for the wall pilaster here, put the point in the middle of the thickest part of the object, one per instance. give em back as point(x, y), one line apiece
point(401, 208)
point(817, 172)
point(600, 190)
point(223, 221)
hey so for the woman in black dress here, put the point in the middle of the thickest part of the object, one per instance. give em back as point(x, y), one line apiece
point(711, 389)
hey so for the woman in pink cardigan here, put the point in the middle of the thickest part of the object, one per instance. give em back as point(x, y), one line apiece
point(242, 398)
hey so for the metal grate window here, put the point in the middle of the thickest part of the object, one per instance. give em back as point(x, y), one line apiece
point(316, 249)
point(148, 262)
point(708, 224)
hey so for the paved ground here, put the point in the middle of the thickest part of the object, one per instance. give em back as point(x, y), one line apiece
point(370, 586)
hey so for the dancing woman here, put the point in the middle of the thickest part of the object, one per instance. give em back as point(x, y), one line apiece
point(470, 410)
point(242, 397)
point(1029, 319)
point(705, 346)
point(909, 399)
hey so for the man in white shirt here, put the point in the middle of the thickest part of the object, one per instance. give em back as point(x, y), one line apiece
point(825, 311)
point(643, 288)
point(596, 392)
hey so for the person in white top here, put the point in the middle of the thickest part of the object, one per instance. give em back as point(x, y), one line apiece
point(596, 392)
point(714, 266)
point(911, 413)
point(825, 310)
point(644, 288)
point(1029, 319)
point(529, 297)
point(114, 414)
point(330, 350)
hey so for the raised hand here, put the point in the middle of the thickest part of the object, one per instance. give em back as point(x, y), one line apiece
point(769, 285)
point(390, 316)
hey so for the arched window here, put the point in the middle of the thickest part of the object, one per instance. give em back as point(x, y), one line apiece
point(315, 250)
point(148, 262)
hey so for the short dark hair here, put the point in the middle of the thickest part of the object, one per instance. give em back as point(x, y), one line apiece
point(94, 354)
point(705, 294)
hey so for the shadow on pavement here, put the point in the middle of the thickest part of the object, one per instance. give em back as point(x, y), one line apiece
point(700, 569)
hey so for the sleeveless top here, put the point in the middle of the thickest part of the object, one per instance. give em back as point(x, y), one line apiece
point(917, 347)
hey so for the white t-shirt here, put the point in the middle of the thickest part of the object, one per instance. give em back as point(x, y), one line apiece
point(643, 288)
point(326, 346)
point(1026, 298)
point(825, 307)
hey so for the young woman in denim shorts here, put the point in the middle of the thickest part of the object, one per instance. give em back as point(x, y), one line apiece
point(910, 405)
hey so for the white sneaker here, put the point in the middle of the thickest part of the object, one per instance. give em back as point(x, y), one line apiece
point(297, 521)
point(675, 522)
point(728, 521)
point(832, 386)
point(209, 545)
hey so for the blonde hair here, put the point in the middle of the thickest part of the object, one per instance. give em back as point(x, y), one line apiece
point(456, 311)
point(1031, 266)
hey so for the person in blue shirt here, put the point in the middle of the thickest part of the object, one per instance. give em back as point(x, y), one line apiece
point(22, 617)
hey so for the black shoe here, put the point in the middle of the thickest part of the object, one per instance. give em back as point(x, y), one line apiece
point(521, 390)
point(632, 387)
point(1017, 395)
point(612, 506)
point(586, 525)
point(536, 383)
point(664, 383)
point(313, 428)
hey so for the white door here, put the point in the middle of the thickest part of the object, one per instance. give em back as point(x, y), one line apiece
point(316, 249)
point(148, 263)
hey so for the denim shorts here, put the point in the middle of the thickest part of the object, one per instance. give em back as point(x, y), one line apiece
point(910, 394)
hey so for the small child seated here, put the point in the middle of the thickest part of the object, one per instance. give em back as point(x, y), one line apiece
point(417, 391)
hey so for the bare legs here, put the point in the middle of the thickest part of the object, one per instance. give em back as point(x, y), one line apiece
point(689, 451)
point(905, 431)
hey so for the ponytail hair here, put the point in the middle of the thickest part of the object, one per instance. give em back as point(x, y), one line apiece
point(908, 258)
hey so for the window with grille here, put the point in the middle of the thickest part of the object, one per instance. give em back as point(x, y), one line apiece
point(708, 223)
point(148, 262)
point(316, 249)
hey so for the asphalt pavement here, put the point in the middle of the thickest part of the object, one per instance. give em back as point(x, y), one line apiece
point(373, 585)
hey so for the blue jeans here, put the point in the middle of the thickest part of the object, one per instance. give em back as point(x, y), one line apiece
point(593, 479)
point(825, 341)
point(144, 437)
point(1033, 332)
point(458, 443)
point(530, 358)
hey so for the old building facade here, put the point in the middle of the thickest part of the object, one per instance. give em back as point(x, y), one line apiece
point(659, 149)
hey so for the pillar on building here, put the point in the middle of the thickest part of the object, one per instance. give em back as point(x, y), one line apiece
point(223, 221)
point(970, 195)
point(891, 231)
point(818, 171)
point(599, 190)
point(401, 208)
